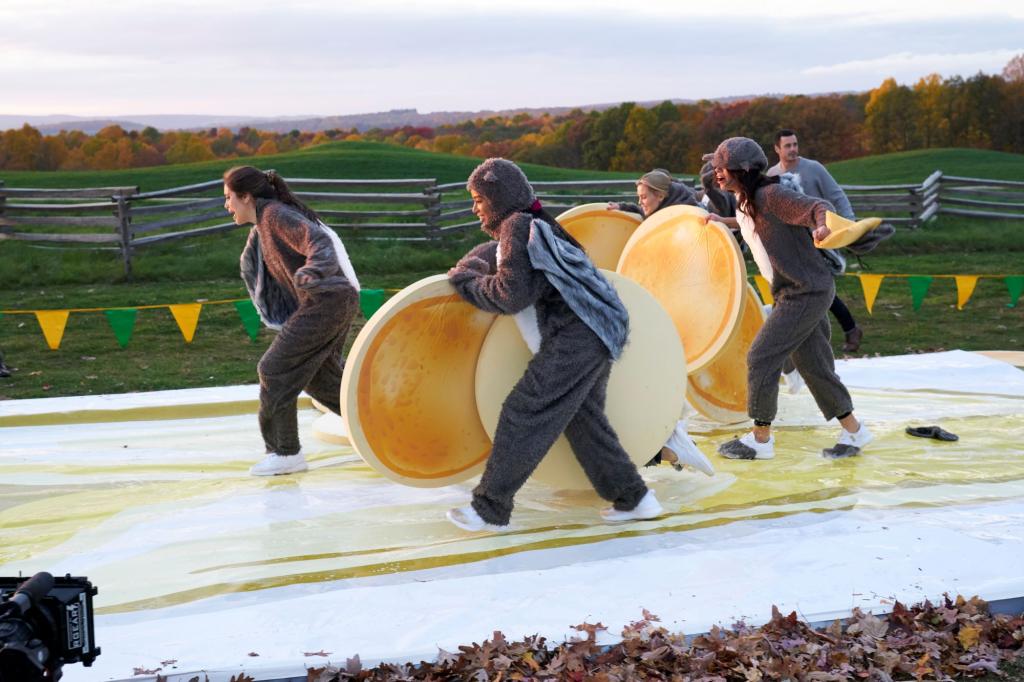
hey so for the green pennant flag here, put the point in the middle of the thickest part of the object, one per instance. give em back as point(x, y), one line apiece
point(918, 289)
point(370, 300)
point(122, 321)
point(1015, 285)
point(250, 318)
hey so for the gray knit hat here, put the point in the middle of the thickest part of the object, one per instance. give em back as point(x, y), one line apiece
point(658, 179)
point(739, 153)
point(503, 184)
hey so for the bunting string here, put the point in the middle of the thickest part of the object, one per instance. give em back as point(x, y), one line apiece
point(122, 319)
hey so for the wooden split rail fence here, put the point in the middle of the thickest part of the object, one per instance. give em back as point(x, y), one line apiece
point(127, 220)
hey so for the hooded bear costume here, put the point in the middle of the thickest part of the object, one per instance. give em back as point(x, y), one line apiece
point(535, 270)
point(312, 320)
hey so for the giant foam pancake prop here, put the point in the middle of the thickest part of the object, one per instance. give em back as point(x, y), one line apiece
point(845, 232)
point(330, 428)
point(408, 393)
point(645, 391)
point(601, 232)
point(696, 272)
point(719, 391)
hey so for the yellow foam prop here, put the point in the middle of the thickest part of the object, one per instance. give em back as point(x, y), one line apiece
point(1014, 357)
point(719, 391)
point(602, 233)
point(407, 394)
point(696, 272)
point(645, 390)
point(845, 232)
point(330, 428)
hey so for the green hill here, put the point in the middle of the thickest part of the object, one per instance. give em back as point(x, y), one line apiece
point(332, 160)
point(917, 165)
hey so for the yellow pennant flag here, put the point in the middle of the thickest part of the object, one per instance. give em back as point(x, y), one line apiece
point(964, 288)
point(187, 317)
point(870, 284)
point(52, 322)
point(764, 289)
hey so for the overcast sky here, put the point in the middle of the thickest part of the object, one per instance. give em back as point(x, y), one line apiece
point(299, 57)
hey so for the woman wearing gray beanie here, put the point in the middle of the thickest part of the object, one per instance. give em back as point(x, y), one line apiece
point(777, 224)
point(574, 323)
point(656, 190)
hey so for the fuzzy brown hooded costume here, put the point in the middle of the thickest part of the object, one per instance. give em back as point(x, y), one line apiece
point(802, 286)
point(313, 319)
point(563, 388)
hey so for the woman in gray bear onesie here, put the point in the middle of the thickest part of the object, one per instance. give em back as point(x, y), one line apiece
point(302, 283)
point(576, 325)
point(776, 222)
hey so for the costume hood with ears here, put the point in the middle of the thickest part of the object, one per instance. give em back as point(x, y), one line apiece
point(505, 187)
point(739, 153)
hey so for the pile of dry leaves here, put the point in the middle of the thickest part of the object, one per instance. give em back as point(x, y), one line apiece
point(956, 639)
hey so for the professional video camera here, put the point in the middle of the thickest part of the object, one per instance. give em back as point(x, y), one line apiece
point(45, 623)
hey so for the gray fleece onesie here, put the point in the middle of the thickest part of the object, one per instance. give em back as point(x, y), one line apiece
point(563, 388)
point(803, 288)
point(306, 353)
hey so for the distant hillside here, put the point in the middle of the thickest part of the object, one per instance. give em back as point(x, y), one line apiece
point(399, 118)
point(87, 126)
point(56, 122)
point(396, 118)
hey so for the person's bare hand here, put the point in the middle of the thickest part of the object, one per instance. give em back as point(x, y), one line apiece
point(821, 233)
point(613, 206)
point(712, 217)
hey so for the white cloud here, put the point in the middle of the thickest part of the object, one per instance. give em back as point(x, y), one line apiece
point(900, 63)
point(21, 59)
point(268, 57)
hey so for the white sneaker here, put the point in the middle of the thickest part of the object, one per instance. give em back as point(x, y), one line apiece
point(794, 382)
point(849, 444)
point(687, 452)
point(859, 439)
point(747, 447)
point(275, 464)
point(648, 508)
point(467, 518)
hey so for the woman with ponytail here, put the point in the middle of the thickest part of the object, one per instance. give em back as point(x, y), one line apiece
point(780, 225)
point(302, 283)
point(575, 324)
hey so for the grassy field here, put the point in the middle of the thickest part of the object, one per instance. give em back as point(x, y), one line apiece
point(90, 360)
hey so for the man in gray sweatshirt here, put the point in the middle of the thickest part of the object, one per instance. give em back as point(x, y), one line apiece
point(815, 181)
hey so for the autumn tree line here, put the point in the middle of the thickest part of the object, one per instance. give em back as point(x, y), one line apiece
point(982, 111)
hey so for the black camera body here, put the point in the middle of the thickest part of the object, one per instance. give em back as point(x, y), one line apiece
point(45, 622)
